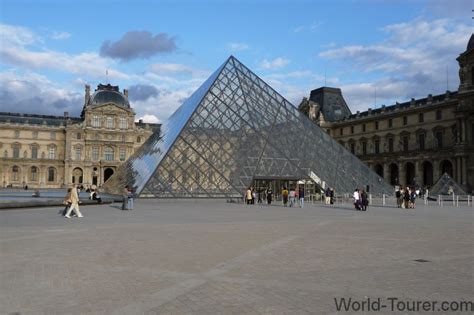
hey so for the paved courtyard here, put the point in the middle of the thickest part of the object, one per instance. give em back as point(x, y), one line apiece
point(212, 257)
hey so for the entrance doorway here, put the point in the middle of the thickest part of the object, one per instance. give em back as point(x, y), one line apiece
point(77, 176)
point(107, 173)
point(427, 173)
point(410, 173)
point(393, 174)
point(277, 186)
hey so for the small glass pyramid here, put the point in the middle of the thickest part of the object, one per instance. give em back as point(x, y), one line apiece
point(235, 128)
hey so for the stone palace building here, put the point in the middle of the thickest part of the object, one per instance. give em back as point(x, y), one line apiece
point(410, 143)
point(54, 151)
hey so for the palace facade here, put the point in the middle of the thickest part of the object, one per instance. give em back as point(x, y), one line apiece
point(54, 151)
point(410, 143)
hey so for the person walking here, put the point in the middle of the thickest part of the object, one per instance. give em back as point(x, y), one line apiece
point(269, 196)
point(130, 198)
point(66, 202)
point(398, 195)
point(356, 197)
point(74, 204)
point(301, 196)
point(327, 194)
point(248, 196)
point(284, 195)
point(364, 200)
point(331, 196)
point(292, 197)
point(125, 198)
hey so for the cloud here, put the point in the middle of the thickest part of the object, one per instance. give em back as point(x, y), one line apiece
point(410, 62)
point(20, 93)
point(458, 8)
point(237, 46)
point(17, 35)
point(298, 29)
point(60, 35)
point(170, 68)
point(147, 118)
point(137, 45)
point(141, 92)
point(276, 63)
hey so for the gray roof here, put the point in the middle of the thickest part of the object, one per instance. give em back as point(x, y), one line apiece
point(108, 94)
point(470, 44)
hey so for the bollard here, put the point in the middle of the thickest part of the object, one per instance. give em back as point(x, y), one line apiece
point(370, 199)
point(441, 198)
point(453, 201)
point(468, 200)
point(457, 201)
point(383, 199)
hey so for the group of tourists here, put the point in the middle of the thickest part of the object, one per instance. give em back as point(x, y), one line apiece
point(289, 197)
point(406, 197)
point(360, 199)
point(71, 201)
point(329, 196)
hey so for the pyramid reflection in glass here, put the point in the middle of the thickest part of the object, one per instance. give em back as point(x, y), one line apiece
point(233, 129)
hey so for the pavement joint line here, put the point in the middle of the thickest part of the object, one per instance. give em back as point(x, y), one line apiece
point(166, 295)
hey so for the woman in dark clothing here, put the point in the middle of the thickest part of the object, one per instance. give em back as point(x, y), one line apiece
point(269, 196)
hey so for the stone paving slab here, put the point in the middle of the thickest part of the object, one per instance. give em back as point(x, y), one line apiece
point(212, 257)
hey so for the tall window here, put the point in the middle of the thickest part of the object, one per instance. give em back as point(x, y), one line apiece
point(439, 114)
point(390, 123)
point(78, 136)
point(421, 141)
point(52, 152)
point(363, 127)
point(123, 123)
point(95, 153)
point(78, 153)
point(139, 139)
point(376, 125)
point(122, 154)
point(110, 122)
point(439, 139)
point(52, 135)
point(16, 151)
point(352, 129)
point(405, 143)
point(17, 134)
point(34, 152)
point(109, 154)
point(34, 173)
point(352, 148)
point(341, 132)
point(377, 146)
point(35, 134)
point(51, 174)
point(364, 148)
point(421, 117)
point(405, 120)
point(95, 121)
point(390, 144)
point(15, 171)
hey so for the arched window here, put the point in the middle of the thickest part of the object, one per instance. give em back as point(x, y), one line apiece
point(109, 154)
point(51, 174)
point(15, 173)
point(52, 152)
point(33, 173)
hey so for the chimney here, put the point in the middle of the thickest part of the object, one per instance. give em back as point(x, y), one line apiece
point(448, 94)
point(369, 110)
point(66, 114)
point(140, 121)
point(412, 102)
point(125, 92)
point(87, 95)
point(430, 98)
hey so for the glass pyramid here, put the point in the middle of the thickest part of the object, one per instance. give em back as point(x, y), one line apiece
point(445, 186)
point(235, 128)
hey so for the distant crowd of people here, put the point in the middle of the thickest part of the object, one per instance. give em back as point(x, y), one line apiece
point(406, 197)
point(289, 197)
point(360, 199)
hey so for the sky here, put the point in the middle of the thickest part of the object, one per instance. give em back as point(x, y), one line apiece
point(377, 51)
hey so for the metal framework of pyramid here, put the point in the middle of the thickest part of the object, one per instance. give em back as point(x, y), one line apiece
point(235, 128)
point(443, 185)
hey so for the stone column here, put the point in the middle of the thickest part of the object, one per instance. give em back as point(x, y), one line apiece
point(386, 172)
point(436, 171)
point(418, 174)
point(464, 171)
point(463, 127)
point(401, 174)
point(457, 170)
